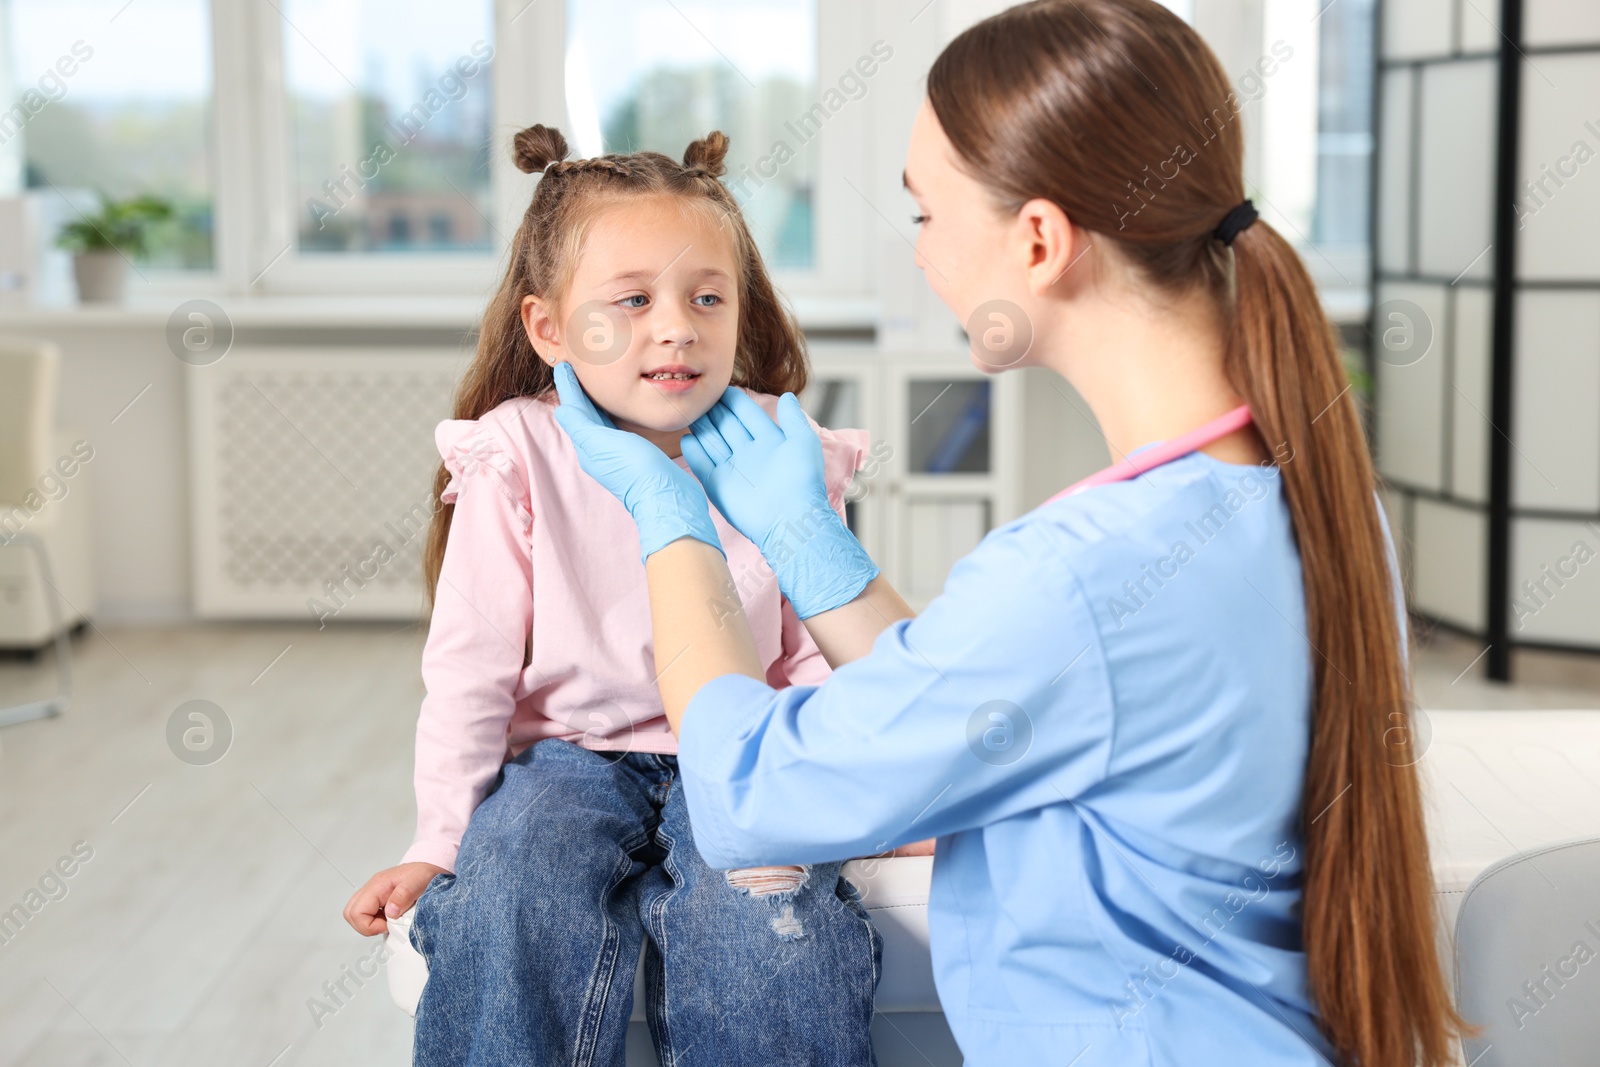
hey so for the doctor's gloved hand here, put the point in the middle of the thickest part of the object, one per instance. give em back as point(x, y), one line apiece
point(767, 480)
point(665, 502)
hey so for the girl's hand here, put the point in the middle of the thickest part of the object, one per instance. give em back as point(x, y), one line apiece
point(388, 895)
point(767, 480)
point(665, 502)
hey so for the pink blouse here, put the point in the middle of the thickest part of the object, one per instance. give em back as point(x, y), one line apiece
point(541, 556)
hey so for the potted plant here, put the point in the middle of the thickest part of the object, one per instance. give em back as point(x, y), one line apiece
point(101, 243)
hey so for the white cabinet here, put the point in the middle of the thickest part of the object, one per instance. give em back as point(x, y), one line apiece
point(955, 451)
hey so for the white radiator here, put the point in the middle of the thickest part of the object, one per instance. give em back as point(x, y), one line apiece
point(312, 472)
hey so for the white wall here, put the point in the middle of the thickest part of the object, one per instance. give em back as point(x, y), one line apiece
point(140, 474)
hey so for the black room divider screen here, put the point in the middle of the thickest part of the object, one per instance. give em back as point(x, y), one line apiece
point(1486, 313)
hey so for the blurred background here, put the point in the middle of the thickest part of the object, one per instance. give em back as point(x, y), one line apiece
point(243, 248)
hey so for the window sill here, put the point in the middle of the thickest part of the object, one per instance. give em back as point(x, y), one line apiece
point(816, 314)
point(824, 316)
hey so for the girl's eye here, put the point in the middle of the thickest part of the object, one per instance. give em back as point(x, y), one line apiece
point(635, 296)
point(713, 297)
point(918, 220)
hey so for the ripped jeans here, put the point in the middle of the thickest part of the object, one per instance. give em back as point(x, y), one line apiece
point(570, 861)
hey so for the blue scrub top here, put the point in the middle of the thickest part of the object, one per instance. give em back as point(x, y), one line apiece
point(1104, 719)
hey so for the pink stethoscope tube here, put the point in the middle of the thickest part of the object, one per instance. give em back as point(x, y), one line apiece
point(1182, 445)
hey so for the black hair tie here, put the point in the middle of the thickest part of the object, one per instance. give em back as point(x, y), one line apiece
point(1234, 221)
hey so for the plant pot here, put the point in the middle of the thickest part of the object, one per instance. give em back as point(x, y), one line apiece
point(101, 276)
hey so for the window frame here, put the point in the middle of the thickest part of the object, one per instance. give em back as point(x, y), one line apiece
point(255, 223)
point(261, 197)
point(256, 227)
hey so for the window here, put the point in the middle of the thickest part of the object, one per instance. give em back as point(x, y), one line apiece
point(1303, 69)
point(1344, 126)
point(641, 74)
point(388, 107)
point(113, 99)
point(356, 146)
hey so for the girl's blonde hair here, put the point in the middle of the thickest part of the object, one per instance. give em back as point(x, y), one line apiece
point(1055, 99)
point(770, 356)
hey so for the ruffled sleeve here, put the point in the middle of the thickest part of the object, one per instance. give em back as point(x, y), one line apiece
point(843, 453)
point(472, 661)
point(470, 447)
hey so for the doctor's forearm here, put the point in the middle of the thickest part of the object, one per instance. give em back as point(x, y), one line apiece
point(847, 632)
point(697, 622)
point(700, 631)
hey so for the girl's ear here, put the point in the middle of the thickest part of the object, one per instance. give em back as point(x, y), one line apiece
point(540, 326)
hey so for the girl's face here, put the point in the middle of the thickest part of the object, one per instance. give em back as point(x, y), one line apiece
point(650, 322)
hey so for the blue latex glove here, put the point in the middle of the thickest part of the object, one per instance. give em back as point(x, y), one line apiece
point(665, 502)
point(767, 480)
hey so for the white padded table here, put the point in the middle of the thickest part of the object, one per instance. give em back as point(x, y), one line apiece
point(894, 890)
point(1496, 783)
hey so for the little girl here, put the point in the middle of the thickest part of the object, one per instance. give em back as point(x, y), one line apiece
point(552, 834)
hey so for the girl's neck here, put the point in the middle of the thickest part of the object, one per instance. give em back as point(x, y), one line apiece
point(669, 441)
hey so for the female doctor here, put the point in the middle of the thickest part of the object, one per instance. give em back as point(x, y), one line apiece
point(1156, 725)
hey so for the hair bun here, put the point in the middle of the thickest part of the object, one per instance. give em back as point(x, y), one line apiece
point(536, 147)
point(708, 153)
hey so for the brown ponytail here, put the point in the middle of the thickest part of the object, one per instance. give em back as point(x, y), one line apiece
point(1055, 99)
point(1368, 910)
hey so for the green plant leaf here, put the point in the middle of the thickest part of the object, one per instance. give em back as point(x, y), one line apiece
point(123, 225)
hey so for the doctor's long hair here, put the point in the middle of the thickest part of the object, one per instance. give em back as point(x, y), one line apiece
point(1119, 113)
point(770, 356)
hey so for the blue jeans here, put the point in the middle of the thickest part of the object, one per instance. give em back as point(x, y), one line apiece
point(570, 861)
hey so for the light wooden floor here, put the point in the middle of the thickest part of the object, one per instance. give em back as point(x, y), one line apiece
point(209, 912)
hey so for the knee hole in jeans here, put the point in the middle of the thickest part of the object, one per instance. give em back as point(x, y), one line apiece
point(779, 885)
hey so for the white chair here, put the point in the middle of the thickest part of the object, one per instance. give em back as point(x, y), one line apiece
point(1512, 795)
point(1497, 784)
point(46, 580)
point(1528, 958)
